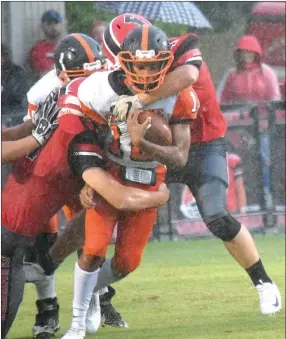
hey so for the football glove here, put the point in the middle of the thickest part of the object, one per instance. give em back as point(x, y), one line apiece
point(124, 105)
point(47, 118)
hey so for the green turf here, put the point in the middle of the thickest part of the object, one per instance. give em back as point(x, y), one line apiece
point(186, 289)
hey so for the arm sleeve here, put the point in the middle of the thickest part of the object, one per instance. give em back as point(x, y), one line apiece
point(84, 153)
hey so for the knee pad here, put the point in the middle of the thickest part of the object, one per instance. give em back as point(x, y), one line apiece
point(225, 228)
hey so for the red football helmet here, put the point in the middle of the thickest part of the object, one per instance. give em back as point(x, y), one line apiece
point(117, 31)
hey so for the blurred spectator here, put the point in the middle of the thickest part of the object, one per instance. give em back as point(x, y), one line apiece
point(13, 82)
point(251, 80)
point(41, 54)
point(97, 30)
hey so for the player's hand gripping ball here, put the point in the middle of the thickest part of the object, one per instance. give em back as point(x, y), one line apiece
point(149, 125)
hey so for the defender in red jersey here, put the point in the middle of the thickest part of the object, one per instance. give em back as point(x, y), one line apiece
point(206, 170)
point(86, 57)
point(48, 178)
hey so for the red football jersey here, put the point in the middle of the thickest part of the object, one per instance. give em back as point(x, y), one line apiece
point(37, 188)
point(42, 183)
point(210, 123)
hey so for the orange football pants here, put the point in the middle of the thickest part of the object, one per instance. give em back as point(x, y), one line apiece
point(133, 229)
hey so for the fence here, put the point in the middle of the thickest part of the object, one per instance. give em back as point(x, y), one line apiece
point(256, 139)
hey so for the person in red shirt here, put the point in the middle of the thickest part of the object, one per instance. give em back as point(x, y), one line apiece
point(41, 54)
point(206, 170)
point(251, 80)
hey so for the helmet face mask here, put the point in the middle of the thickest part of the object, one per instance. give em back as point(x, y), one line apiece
point(145, 71)
point(145, 58)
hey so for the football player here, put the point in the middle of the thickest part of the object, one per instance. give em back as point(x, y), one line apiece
point(77, 55)
point(206, 171)
point(145, 60)
point(47, 178)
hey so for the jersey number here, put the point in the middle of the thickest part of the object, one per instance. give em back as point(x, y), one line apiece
point(194, 109)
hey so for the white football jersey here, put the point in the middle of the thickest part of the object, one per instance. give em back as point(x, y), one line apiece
point(40, 91)
point(96, 93)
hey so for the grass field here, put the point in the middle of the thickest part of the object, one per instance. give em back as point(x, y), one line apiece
point(183, 290)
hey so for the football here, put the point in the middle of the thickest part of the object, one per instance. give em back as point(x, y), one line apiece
point(159, 131)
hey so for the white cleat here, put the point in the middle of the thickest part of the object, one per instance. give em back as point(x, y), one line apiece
point(93, 317)
point(75, 332)
point(270, 298)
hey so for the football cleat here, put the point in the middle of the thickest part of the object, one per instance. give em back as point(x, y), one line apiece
point(47, 318)
point(270, 298)
point(75, 332)
point(109, 316)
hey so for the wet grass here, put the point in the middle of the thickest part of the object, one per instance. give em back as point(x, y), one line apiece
point(186, 289)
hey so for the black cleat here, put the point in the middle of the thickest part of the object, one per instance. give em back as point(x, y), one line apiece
point(47, 319)
point(109, 316)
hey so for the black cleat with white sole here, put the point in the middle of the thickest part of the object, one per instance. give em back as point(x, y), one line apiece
point(47, 319)
point(109, 316)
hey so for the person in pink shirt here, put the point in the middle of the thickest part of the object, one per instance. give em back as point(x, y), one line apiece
point(251, 80)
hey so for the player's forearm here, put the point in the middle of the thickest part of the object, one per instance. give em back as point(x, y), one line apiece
point(170, 156)
point(174, 82)
point(17, 132)
point(122, 197)
point(13, 150)
point(136, 199)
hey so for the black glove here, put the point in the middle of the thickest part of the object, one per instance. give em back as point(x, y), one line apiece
point(47, 118)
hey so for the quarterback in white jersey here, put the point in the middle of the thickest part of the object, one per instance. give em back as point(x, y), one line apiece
point(148, 59)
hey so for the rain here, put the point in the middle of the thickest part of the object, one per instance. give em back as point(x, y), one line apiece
point(231, 188)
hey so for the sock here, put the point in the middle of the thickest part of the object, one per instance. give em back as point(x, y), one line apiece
point(84, 283)
point(257, 272)
point(46, 288)
point(103, 291)
point(106, 276)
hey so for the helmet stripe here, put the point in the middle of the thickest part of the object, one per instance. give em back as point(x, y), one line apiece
point(109, 43)
point(85, 46)
point(112, 34)
point(144, 43)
